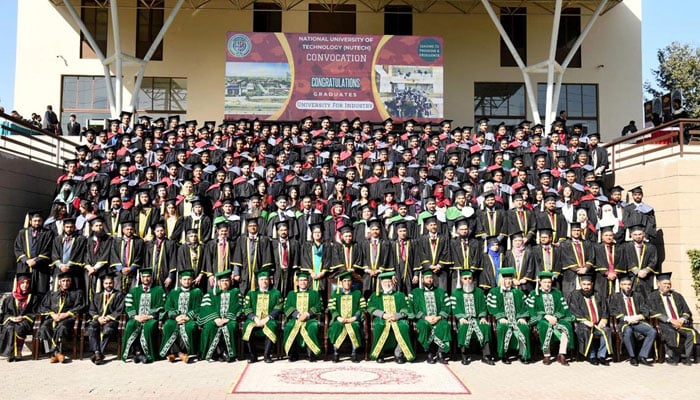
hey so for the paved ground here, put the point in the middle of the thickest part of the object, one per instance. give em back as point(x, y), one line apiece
point(202, 380)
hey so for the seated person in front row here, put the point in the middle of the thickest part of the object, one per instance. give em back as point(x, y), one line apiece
point(302, 308)
point(181, 313)
point(430, 306)
point(346, 307)
point(550, 314)
point(262, 307)
point(591, 313)
point(105, 310)
point(630, 309)
point(60, 309)
point(17, 318)
point(389, 326)
point(143, 305)
point(469, 308)
point(218, 317)
point(507, 305)
point(675, 321)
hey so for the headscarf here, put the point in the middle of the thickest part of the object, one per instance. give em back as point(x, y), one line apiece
point(20, 296)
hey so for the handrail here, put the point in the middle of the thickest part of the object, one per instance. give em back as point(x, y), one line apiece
point(28, 141)
point(634, 149)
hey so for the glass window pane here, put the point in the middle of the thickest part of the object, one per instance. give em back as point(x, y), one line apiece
point(84, 93)
point(178, 95)
point(100, 94)
point(573, 100)
point(69, 91)
point(590, 99)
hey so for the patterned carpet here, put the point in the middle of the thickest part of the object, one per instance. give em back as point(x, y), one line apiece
point(352, 379)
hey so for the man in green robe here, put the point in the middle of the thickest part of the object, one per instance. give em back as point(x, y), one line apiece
point(469, 309)
point(262, 307)
point(302, 308)
point(507, 304)
point(143, 305)
point(181, 312)
point(550, 314)
point(390, 311)
point(218, 317)
point(346, 307)
point(430, 307)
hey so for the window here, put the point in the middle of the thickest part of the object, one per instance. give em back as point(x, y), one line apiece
point(514, 21)
point(341, 19)
point(84, 96)
point(96, 20)
point(569, 31)
point(163, 95)
point(500, 101)
point(267, 17)
point(398, 20)
point(148, 23)
point(580, 102)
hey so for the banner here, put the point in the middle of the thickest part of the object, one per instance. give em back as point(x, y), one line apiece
point(288, 76)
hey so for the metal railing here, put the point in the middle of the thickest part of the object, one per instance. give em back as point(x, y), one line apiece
point(655, 143)
point(25, 140)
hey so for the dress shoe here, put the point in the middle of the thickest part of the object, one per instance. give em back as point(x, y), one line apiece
point(688, 361)
point(99, 358)
point(312, 357)
point(252, 358)
point(267, 358)
point(562, 360)
point(336, 358)
point(11, 359)
point(355, 358)
point(185, 358)
point(465, 359)
point(171, 358)
point(593, 361)
point(644, 361)
point(380, 360)
point(401, 360)
point(547, 360)
point(93, 358)
point(60, 357)
point(441, 358)
point(53, 359)
point(604, 361)
point(524, 361)
point(430, 359)
point(506, 360)
point(634, 362)
point(293, 357)
point(672, 361)
point(487, 361)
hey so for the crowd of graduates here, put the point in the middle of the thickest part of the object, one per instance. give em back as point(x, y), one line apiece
point(257, 229)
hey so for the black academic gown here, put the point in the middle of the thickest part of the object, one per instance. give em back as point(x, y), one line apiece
point(604, 286)
point(306, 263)
point(381, 262)
point(465, 256)
point(98, 253)
point(27, 247)
point(121, 260)
point(556, 222)
point(524, 269)
point(111, 307)
point(75, 260)
point(648, 261)
point(407, 264)
point(249, 263)
point(436, 252)
point(538, 259)
point(13, 333)
point(54, 333)
point(570, 260)
point(161, 258)
point(578, 304)
point(285, 270)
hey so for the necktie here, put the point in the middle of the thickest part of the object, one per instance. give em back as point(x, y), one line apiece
point(670, 307)
point(127, 253)
point(34, 233)
point(591, 308)
point(521, 219)
point(630, 309)
point(285, 255)
point(639, 251)
point(97, 246)
point(159, 243)
point(547, 259)
point(403, 249)
point(374, 250)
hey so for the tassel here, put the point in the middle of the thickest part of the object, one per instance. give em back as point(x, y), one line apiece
point(26, 221)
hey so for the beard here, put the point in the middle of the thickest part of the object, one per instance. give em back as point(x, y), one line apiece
point(469, 287)
point(587, 293)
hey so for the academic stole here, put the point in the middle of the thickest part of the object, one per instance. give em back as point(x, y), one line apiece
point(433, 250)
point(497, 277)
point(143, 222)
point(348, 257)
point(491, 218)
point(105, 305)
point(251, 265)
point(405, 262)
point(579, 260)
point(302, 305)
point(156, 264)
point(316, 267)
point(194, 258)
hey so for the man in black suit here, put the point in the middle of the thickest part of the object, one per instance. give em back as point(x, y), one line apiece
point(73, 127)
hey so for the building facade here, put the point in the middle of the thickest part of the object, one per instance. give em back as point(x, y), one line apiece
point(602, 87)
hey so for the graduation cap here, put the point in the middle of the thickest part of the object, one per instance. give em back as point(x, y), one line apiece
point(186, 273)
point(346, 229)
point(146, 271)
point(281, 224)
point(466, 272)
point(488, 194)
point(617, 189)
point(594, 134)
point(128, 224)
point(517, 235)
point(410, 121)
point(96, 219)
point(587, 278)
point(430, 219)
point(303, 274)
point(545, 275)
point(508, 272)
point(663, 276)
point(264, 273)
point(482, 120)
point(388, 121)
point(445, 122)
point(627, 277)
point(192, 231)
point(315, 225)
point(635, 228)
point(550, 196)
point(64, 275)
point(461, 221)
point(251, 220)
point(606, 229)
point(347, 275)
point(374, 222)
point(386, 275)
point(224, 275)
point(635, 190)
point(23, 276)
point(82, 148)
point(125, 114)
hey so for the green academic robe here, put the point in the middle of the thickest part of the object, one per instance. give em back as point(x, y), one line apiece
point(472, 307)
point(229, 305)
point(304, 333)
point(425, 302)
point(138, 302)
point(181, 302)
point(390, 333)
point(261, 305)
point(554, 304)
point(510, 304)
point(346, 305)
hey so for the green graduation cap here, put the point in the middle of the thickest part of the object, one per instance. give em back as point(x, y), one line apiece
point(508, 272)
point(466, 272)
point(224, 274)
point(187, 272)
point(146, 271)
point(387, 275)
point(265, 273)
point(303, 274)
point(345, 275)
point(545, 275)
